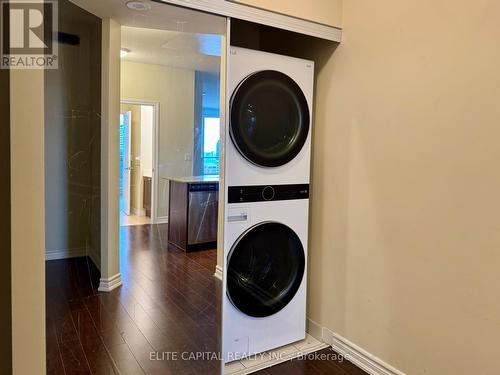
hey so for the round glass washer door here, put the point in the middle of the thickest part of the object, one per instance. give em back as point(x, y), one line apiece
point(265, 269)
point(269, 118)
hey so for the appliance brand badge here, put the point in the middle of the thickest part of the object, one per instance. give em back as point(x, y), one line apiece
point(28, 34)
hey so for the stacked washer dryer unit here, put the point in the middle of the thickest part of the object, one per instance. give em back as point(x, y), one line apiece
point(267, 201)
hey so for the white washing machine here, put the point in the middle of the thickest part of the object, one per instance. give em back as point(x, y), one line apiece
point(265, 279)
point(267, 202)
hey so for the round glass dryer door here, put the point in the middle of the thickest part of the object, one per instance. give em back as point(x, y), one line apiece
point(269, 118)
point(265, 269)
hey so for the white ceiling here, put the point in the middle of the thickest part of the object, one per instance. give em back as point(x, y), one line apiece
point(165, 34)
point(160, 16)
point(172, 48)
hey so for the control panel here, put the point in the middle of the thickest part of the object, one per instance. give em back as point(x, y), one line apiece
point(262, 193)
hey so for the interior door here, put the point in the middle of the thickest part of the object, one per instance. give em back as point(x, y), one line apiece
point(126, 167)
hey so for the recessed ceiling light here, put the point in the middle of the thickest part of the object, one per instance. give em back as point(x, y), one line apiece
point(138, 5)
point(180, 25)
point(124, 52)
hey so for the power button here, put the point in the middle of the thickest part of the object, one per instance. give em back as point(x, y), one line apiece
point(268, 193)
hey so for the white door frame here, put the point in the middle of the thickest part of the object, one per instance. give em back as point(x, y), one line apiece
point(237, 9)
point(155, 174)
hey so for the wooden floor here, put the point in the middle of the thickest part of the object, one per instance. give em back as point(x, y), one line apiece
point(127, 220)
point(169, 302)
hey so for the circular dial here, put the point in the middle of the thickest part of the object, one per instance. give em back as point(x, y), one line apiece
point(268, 193)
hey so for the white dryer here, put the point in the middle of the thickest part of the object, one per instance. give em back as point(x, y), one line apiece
point(267, 202)
point(269, 119)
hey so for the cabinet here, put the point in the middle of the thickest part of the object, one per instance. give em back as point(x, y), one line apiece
point(192, 218)
point(328, 12)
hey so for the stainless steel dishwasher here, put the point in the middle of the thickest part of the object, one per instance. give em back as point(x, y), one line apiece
point(202, 213)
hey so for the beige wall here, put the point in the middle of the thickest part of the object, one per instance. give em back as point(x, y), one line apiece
point(405, 232)
point(173, 88)
point(27, 221)
point(110, 155)
point(5, 227)
point(328, 12)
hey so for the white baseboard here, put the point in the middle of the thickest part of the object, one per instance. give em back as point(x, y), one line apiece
point(65, 253)
point(353, 353)
point(218, 272)
point(107, 285)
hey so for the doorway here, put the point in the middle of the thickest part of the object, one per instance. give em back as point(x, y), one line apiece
point(138, 131)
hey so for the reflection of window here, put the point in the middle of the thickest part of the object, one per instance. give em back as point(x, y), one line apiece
point(211, 145)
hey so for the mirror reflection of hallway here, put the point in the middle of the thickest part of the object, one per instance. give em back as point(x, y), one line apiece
point(125, 294)
point(169, 264)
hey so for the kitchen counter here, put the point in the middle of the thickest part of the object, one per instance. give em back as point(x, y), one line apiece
point(193, 207)
point(193, 179)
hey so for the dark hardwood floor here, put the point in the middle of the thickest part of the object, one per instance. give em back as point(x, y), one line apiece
point(169, 302)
